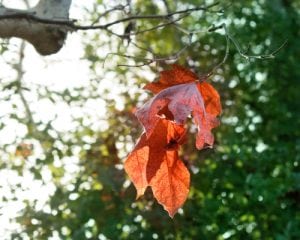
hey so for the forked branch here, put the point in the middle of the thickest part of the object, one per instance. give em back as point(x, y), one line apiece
point(46, 25)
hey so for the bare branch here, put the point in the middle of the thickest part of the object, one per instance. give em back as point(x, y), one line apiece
point(247, 56)
point(19, 69)
point(72, 26)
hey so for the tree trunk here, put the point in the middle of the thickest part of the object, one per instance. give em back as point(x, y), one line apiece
point(38, 25)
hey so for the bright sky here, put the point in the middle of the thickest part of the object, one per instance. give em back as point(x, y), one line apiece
point(63, 70)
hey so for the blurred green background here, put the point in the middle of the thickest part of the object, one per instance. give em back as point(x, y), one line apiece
point(247, 187)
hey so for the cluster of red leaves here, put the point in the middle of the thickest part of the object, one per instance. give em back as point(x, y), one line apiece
point(154, 161)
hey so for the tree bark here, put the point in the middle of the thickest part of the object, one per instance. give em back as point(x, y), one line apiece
point(37, 25)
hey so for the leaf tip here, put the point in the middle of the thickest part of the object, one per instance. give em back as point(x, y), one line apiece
point(139, 193)
point(172, 214)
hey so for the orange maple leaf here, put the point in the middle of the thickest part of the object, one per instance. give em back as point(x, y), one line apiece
point(154, 161)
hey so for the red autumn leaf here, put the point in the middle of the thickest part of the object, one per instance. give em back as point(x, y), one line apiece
point(177, 75)
point(154, 162)
point(171, 183)
point(211, 98)
point(179, 102)
point(180, 75)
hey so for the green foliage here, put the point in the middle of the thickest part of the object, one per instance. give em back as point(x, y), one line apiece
point(247, 187)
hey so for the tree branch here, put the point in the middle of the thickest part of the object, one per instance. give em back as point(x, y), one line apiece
point(37, 25)
point(46, 25)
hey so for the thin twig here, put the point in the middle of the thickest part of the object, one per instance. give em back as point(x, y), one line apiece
point(210, 73)
point(26, 3)
point(148, 61)
point(247, 56)
point(119, 7)
point(229, 38)
point(143, 48)
point(170, 22)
